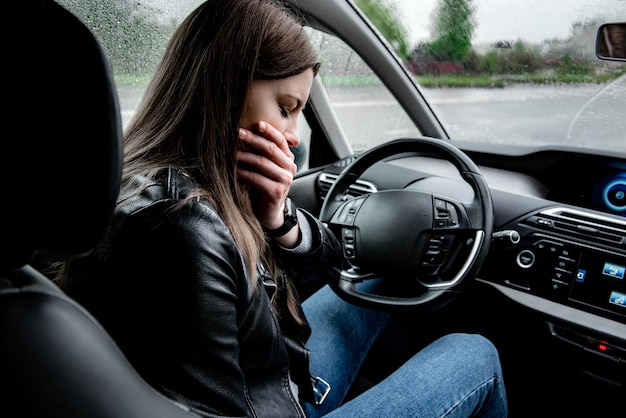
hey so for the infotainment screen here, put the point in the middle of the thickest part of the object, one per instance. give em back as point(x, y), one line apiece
point(601, 282)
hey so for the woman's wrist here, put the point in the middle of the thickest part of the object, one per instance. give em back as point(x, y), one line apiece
point(290, 221)
point(304, 238)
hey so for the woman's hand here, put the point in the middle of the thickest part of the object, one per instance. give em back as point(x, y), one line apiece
point(267, 165)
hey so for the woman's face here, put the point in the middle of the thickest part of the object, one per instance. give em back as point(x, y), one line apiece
point(279, 103)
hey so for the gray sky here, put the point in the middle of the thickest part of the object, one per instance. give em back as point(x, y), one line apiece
point(497, 19)
point(515, 19)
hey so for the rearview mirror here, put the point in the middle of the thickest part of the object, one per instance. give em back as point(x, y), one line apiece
point(611, 42)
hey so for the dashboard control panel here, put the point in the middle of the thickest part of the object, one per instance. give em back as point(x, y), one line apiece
point(567, 257)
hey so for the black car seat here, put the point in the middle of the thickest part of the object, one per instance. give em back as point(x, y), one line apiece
point(61, 169)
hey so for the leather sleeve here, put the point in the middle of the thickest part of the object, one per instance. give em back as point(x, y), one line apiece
point(213, 278)
point(176, 283)
point(319, 266)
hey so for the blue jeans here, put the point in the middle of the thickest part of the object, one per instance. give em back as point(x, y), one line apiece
point(458, 375)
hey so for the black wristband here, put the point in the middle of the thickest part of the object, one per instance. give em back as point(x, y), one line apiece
point(291, 220)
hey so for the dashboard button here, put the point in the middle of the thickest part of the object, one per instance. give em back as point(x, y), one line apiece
point(526, 259)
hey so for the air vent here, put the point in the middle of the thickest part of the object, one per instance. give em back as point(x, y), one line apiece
point(359, 188)
point(344, 162)
point(582, 225)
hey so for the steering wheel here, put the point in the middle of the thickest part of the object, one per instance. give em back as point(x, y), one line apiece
point(425, 240)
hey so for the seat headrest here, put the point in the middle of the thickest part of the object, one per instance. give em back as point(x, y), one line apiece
point(62, 160)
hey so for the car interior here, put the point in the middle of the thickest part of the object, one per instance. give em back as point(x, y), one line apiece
point(524, 246)
point(550, 290)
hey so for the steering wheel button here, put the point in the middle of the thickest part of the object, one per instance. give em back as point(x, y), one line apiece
point(433, 248)
point(442, 213)
point(441, 223)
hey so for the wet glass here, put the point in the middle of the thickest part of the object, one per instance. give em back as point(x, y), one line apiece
point(528, 74)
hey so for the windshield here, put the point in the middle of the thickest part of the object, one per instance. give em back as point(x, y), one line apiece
point(521, 72)
point(514, 72)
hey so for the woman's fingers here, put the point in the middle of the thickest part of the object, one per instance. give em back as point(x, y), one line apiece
point(271, 143)
point(267, 164)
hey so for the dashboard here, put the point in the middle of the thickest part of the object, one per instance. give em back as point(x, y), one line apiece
point(590, 181)
point(597, 184)
point(559, 243)
point(609, 193)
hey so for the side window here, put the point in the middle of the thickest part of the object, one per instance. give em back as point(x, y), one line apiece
point(133, 36)
point(301, 152)
point(366, 109)
point(133, 58)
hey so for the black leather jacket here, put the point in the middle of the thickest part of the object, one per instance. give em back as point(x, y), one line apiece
point(172, 289)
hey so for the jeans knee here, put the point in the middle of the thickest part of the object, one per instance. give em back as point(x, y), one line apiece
point(478, 348)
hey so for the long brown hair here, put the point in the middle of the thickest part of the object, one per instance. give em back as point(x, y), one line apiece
point(190, 113)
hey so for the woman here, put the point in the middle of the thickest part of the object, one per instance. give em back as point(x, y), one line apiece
point(197, 280)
